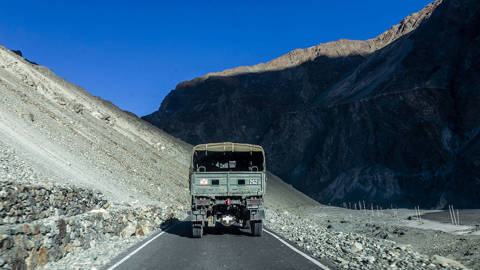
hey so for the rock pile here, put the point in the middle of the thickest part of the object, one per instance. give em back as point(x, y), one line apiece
point(25, 202)
point(42, 224)
point(351, 250)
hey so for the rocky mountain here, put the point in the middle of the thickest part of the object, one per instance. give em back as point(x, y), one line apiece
point(391, 120)
point(82, 182)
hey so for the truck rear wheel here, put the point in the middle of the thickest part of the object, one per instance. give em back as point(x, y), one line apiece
point(197, 231)
point(256, 228)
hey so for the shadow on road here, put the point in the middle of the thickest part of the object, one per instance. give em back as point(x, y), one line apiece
point(184, 229)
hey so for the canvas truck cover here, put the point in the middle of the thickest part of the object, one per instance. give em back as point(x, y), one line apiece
point(228, 156)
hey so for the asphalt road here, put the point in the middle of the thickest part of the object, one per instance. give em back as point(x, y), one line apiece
point(226, 248)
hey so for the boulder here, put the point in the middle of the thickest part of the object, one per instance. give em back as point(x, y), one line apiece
point(129, 230)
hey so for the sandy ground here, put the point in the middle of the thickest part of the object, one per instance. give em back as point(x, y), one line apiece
point(470, 217)
point(426, 236)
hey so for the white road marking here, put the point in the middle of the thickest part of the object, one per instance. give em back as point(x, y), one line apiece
point(317, 263)
point(140, 247)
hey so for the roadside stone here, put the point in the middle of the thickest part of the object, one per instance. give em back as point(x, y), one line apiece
point(6, 242)
point(36, 229)
point(129, 230)
point(369, 259)
point(32, 260)
point(356, 247)
point(26, 229)
point(33, 202)
point(139, 230)
point(42, 256)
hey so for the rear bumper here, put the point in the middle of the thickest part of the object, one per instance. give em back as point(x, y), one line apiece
point(200, 216)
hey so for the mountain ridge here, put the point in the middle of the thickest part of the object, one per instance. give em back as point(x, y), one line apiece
point(388, 126)
point(341, 47)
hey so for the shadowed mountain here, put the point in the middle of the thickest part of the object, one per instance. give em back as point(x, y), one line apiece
point(387, 120)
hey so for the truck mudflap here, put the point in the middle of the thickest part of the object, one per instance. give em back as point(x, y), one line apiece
point(197, 216)
point(257, 214)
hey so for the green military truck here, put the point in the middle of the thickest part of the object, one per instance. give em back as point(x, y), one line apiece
point(227, 185)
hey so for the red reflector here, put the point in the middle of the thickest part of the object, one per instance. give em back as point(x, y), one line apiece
point(228, 201)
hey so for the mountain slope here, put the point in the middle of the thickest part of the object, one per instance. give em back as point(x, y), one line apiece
point(77, 173)
point(73, 162)
point(73, 137)
point(389, 120)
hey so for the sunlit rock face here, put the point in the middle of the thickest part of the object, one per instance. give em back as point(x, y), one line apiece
point(392, 120)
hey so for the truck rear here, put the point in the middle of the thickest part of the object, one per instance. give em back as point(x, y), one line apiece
point(227, 185)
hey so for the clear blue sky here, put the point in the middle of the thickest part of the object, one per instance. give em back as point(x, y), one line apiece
point(134, 52)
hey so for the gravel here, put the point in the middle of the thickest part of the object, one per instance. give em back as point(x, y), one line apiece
point(350, 250)
point(13, 168)
point(97, 256)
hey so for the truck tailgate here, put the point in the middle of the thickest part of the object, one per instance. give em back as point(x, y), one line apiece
point(228, 184)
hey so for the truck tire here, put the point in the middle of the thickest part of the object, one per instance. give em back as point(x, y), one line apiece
point(256, 228)
point(197, 231)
